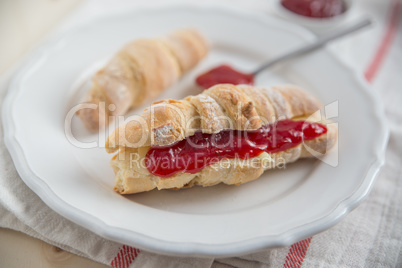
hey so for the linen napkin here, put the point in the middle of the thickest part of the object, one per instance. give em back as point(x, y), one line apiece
point(370, 236)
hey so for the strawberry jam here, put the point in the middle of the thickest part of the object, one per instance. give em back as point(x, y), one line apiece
point(315, 8)
point(224, 74)
point(200, 150)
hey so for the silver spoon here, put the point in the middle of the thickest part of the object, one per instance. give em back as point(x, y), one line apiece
point(321, 41)
point(219, 76)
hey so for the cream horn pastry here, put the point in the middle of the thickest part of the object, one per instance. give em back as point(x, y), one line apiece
point(140, 71)
point(227, 134)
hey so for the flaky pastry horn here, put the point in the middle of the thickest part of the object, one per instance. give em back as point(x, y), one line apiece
point(219, 108)
point(140, 71)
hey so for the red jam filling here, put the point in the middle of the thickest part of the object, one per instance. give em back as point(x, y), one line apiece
point(200, 150)
point(224, 74)
point(315, 8)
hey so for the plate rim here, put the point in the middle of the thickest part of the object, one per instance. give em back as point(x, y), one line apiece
point(152, 244)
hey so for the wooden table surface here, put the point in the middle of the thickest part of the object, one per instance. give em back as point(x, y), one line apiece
point(20, 250)
point(22, 24)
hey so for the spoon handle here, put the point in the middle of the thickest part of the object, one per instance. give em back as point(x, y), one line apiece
point(317, 44)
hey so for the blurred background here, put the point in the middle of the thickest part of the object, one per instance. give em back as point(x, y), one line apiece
point(24, 22)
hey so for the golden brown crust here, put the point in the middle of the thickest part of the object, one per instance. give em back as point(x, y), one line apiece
point(188, 47)
point(220, 107)
point(96, 115)
point(155, 65)
point(140, 71)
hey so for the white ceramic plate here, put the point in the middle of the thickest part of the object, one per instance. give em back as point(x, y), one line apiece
point(280, 208)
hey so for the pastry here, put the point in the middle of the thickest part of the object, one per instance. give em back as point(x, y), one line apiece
point(227, 134)
point(140, 71)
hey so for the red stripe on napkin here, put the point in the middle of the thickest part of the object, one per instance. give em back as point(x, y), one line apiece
point(386, 42)
point(125, 257)
point(296, 254)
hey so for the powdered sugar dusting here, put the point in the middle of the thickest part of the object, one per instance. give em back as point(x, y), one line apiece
point(163, 133)
point(210, 120)
point(278, 102)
